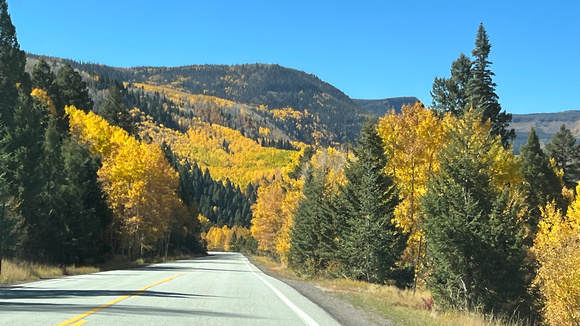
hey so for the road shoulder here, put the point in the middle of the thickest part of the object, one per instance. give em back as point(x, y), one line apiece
point(344, 312)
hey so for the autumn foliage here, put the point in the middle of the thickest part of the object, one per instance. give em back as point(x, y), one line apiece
point(412, 140)
point(139, 183)
point(557, 248)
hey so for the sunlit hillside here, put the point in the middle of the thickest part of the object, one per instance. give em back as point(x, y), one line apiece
point(225, 152)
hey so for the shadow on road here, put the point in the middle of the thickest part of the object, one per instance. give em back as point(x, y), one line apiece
point(32, 293)
point(119, 309)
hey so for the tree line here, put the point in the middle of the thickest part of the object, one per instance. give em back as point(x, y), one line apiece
point(79, 196)
point(437, 195)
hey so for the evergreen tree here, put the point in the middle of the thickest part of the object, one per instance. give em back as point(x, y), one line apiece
point(371, 244)
point(312, 245)
point(44, 79)
point(541, 184)
point(563, 149)
point(116, 113)
point(449, 95)
point(25, 142)
point(72, 89)
point(473, 237)
point(12, 62)
point(8, 235)
point(481, 89)
point(471, 85)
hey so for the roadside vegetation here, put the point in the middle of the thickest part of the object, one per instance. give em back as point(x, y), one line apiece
point(405, 307)
point(16, 271)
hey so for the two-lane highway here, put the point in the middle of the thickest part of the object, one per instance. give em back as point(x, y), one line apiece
point(220, 289)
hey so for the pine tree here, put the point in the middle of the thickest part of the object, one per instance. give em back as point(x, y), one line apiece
point(473, 236)
point(73, 90)
point(449, 95)
point(116, 113)
point(563, 149)
point(371, 244)
point(43, 78)
point(541, 184)
point(12, 62)
point(471, 85)
point(26, 137)
point(7, 221)
point(481, 89)
point(312, 245)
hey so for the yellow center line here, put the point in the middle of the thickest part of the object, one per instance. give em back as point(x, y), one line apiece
point(77, 320)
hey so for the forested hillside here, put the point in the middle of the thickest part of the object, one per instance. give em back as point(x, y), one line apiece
point(304, 107)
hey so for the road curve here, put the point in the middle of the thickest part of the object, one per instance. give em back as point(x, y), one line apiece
point(220, 289)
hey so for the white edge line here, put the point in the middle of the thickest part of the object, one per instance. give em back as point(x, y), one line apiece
point(304, 316)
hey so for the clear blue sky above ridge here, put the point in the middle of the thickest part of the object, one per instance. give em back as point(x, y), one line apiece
point(368, 49)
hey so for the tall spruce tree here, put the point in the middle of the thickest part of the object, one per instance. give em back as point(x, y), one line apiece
point(7, 218)
point(72, 89)
point(473, 237)
point(481, 89)
point(563, 149)
point(116, 113)
point(371, 244)
point(541, 184)
point(471, 85)
point(449, 95)
point(12, 62)
point(312, 245)
point(43, 78)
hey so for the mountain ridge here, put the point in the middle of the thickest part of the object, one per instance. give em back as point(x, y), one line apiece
point(286, 103)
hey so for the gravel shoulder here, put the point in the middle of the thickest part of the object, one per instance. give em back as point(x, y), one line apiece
point(344, 312)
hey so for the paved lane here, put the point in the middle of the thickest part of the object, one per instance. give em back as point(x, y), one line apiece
point(221, 289)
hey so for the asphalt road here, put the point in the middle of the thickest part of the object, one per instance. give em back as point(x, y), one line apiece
point(221, 289)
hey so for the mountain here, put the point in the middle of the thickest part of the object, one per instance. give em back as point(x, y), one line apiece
point(299, 105)
point(380, 107)
point(545, 124)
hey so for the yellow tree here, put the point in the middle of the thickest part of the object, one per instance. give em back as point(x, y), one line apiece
point(412, 140)
point(139, 183)
point(273, 212)
point(557, 249)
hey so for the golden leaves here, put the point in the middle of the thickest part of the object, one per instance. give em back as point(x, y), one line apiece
point(557, 249)
point(43, 97)
point(273, 215)
point(412, 141)
point(139, 182)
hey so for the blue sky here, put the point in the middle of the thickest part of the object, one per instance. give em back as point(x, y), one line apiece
point(368, 49)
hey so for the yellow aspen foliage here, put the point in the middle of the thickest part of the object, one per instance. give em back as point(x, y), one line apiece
point(216, 237)
point(225, 152)
point(412, 140)
point(503, 163)
point(557, 249)
point(139, 183)
point(264, 131)
point(273, 213)
point(43, 97)
point(221, 239)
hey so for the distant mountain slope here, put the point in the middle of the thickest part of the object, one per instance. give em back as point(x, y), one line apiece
point(380, 107)
point(300, 104)
point(545, 124)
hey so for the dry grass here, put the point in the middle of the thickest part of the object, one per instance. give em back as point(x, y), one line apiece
point(18, 271)
point(14, 271)
point(403, 307)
